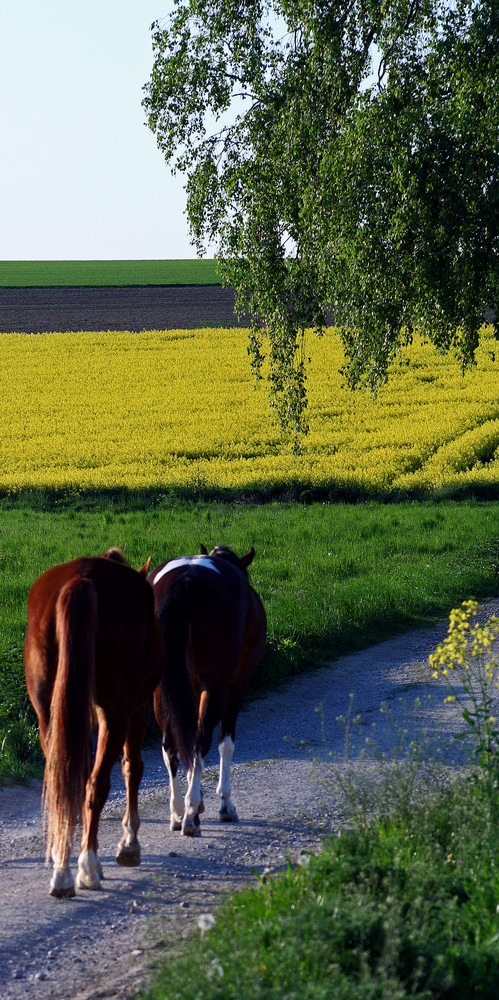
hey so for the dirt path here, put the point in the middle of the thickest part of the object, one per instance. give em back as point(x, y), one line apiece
point(103, 944)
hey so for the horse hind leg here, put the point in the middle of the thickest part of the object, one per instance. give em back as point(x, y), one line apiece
point(171, 760)
point(62, 884)
point(132, 769)
point(96, 793)
point(227, 811)
point(176, 799)
point(234, 699)
point(193, 800)
point(191, 826)
point(210, 710)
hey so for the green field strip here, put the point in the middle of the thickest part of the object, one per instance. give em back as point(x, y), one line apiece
point(76, 273)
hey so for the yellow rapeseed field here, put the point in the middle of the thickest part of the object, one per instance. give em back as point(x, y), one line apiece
point(180, 408)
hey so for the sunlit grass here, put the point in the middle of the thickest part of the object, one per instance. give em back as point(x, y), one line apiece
point(333, 577)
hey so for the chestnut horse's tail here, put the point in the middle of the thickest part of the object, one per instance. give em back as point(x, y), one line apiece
point(176, 688)
point(68, 751)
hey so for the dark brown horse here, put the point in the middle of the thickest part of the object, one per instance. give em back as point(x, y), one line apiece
point(93, 656)
point(214, 628)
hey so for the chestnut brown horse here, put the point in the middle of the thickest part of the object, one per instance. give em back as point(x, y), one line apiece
point(214, 628)
point(93, 656)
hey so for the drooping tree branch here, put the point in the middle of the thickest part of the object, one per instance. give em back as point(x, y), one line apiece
point(326, 188)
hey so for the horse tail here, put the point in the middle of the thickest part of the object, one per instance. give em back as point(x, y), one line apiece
point(69, 737)
point(176, 687)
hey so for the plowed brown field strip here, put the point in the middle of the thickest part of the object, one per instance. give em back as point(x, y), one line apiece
point(168, 307)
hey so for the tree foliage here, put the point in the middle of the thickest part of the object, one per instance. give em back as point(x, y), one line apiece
point(342, 156)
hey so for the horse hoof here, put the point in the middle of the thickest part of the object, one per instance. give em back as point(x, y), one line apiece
point(63, 893)
point(192, 827)
point(175, 824)
point(228, 814)
point(83, 881)
point(62, 884)
point(128, 858)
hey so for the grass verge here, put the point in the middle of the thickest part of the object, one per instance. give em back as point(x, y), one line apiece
point(404, 907)
point(333, 577)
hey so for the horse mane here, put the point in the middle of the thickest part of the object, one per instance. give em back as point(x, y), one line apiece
point(223, 552)
point(116, 555)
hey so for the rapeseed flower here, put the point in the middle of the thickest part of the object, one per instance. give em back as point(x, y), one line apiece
point(180, 409)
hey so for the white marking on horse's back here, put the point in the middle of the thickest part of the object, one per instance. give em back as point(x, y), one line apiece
point(203, 561)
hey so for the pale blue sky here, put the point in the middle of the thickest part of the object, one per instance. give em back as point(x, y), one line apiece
point(80, 174)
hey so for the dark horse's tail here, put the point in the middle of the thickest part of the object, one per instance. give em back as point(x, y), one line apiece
point(68, 753)
point(176, 687)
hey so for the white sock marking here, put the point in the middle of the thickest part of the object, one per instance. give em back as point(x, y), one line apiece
point(226, 751)
point(62, 880)
point(193, 797)
point(176, 799)
point(88, 871)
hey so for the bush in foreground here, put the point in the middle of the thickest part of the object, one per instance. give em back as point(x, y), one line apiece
point(393, 910)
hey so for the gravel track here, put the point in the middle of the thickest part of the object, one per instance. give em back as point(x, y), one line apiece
point(289, 754)
point(168, 307)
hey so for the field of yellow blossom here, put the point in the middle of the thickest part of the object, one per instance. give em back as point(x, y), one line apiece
point(181, 409)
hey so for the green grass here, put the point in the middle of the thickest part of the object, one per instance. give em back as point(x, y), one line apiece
point(333, 577)
point(44, 273)
point(404, 907)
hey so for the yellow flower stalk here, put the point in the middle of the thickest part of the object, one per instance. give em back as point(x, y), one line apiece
point(463, 659)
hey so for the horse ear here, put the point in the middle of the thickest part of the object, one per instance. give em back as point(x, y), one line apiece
point(248, 558)
point(204, 550)
point(145, 568)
